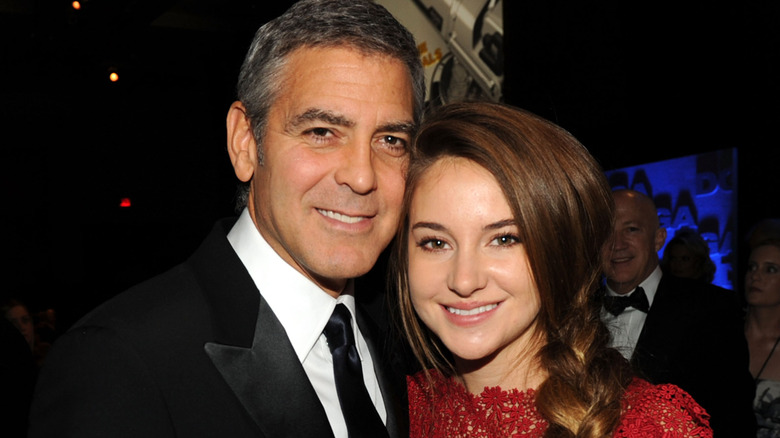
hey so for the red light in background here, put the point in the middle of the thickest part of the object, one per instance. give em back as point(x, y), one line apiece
point(125, 202)
point(76, 5)
point(113, 77)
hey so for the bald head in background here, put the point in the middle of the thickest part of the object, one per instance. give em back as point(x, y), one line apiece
point(632, 253)
point(691, 334)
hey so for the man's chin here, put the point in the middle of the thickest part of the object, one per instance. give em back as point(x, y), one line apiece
point(622, 270)
point(341, 267)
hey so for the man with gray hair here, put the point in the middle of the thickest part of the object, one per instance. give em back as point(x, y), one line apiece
point(258, 334)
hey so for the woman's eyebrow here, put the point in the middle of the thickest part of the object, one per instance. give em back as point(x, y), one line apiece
point(432, 225)
point(500, 224)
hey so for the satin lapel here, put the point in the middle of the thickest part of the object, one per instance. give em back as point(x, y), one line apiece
point(270, 382)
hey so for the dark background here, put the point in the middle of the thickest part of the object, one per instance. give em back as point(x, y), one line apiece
point(635, 83)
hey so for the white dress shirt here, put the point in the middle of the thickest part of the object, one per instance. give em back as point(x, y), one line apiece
point(627, 326)
point(303, 309)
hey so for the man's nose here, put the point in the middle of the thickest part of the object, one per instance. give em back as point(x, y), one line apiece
point(356, 169)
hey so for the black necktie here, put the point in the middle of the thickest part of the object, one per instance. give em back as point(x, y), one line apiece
point(359, 412)
point(637, 300)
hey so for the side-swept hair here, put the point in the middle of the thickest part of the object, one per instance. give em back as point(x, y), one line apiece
point(563, 208)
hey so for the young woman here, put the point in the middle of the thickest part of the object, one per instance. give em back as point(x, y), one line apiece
point(496, 264)
point(762, 330)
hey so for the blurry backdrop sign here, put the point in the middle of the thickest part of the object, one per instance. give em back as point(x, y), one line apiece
point(461, 45)
point(697, 192)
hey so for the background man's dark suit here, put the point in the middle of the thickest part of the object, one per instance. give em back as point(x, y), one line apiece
point(692, 337)
point(195, 352)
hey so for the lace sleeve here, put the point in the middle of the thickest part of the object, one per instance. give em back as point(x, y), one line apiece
point(662, 410)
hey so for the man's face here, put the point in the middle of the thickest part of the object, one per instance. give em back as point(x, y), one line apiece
point(632, 254)
point(327, 196)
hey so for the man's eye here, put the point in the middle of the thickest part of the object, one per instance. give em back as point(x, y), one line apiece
point(389, 139)
point(320, 132)
point(396, 145)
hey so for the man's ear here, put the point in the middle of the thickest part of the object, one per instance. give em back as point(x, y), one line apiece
point(241, 144)
point(660, 238)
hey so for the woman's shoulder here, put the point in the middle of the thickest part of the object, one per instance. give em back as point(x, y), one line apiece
point(654, 410)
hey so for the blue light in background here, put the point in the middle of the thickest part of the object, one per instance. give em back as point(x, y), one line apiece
point(698, 192)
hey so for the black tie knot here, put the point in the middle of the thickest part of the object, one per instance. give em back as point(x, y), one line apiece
point(617, 304)
point(338, 330)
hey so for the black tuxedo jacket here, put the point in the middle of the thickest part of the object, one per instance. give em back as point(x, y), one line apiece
point(195, 352)
point(694, 338)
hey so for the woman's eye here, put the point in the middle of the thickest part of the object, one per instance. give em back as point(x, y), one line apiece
point(433, 244)
point(506, 240)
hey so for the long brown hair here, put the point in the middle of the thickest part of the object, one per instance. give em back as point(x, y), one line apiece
point(563, 207)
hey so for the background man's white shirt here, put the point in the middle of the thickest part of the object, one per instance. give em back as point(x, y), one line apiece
point(627, 326)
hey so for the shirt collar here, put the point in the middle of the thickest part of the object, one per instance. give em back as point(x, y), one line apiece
point(301, 306)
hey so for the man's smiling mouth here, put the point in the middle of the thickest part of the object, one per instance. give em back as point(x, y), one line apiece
point(341, 217)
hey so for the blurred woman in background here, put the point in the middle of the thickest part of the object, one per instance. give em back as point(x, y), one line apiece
point(687, 255)
point(762, 330)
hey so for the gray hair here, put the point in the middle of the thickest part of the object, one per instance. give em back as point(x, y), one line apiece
point(359, 24)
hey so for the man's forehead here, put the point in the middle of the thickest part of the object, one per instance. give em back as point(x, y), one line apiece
point(630, 222)
point(638, 217)
point(332, 92)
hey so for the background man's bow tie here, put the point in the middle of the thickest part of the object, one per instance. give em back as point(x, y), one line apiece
point(637, 300)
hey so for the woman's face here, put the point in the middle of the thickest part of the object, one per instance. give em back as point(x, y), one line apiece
point(762, 282)
point(469, 275)
point(682, 262)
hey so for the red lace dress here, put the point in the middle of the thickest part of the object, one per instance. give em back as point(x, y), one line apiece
point(648, 411)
